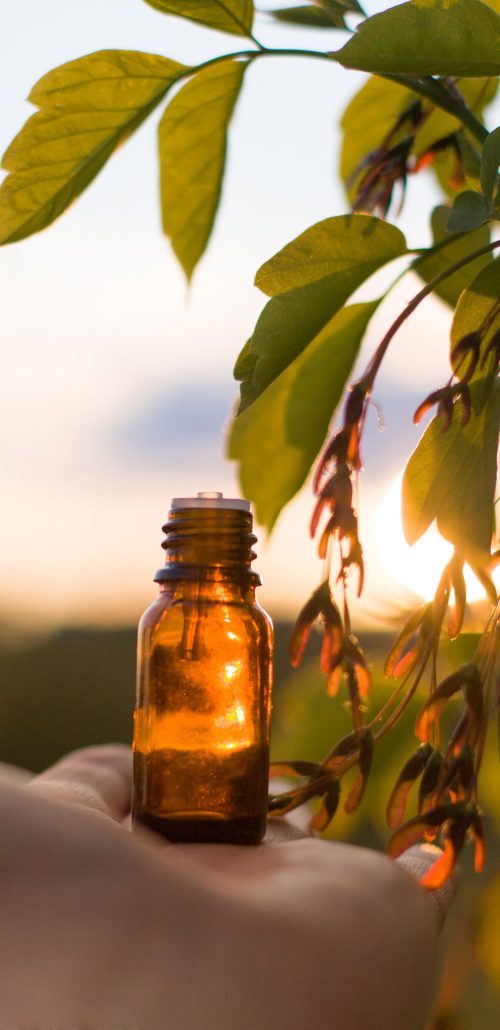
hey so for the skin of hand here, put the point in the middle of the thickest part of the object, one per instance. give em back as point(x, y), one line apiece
point(107, 930)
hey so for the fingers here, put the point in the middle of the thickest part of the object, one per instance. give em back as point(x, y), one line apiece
point(14, 773)
point(98, 778)
point(417, 861)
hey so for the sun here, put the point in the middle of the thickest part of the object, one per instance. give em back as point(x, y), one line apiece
point(417, 568)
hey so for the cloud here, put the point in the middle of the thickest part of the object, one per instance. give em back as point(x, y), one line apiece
point(194, 413)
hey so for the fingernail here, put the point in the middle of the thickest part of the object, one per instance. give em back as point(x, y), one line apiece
point(416, 861)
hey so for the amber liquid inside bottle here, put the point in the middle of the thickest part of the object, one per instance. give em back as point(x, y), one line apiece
point(201, 724)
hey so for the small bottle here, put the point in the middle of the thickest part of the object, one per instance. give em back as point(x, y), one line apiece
point(201, 722)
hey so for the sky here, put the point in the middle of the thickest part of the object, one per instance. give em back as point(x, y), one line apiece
point(117, 382)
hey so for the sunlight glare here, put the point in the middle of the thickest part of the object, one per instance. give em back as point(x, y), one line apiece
point(417, 568)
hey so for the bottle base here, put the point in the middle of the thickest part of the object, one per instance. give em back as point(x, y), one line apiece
point(199, 830)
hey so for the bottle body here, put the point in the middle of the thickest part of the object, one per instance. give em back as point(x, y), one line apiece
point(201, 722)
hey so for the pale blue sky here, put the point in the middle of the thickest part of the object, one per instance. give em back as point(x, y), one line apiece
point(116, 388)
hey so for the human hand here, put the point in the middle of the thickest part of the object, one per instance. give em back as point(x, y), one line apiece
point(104, 929)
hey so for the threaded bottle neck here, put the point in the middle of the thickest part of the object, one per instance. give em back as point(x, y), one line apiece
point(209, 544)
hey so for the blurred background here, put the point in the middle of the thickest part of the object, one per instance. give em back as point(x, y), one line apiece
point(116, 391)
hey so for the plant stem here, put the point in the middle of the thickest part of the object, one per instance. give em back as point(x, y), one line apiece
point(398, 711)
point(426, 86)
point(422, 254)
point(240, 24)
point(378, 357)
point(425, 252)
point(254, 39)
point(435, 91)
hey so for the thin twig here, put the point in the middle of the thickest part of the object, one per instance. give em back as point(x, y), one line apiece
point(378, 357)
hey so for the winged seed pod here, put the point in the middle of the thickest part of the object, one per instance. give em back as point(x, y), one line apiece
point(462, 393)
point(336, 494)
point(295, 769)
point(356, 658)
point(409, 774)
point(457, 178)
point(320, 603)
point(492, 348)
point(445, 398)
point(327, 809)
point(426, 824)
point(476, 827)
point(365, 758)
point(457, 775)
point(355, 557)
point(468, 348)
point(455, 833)
point(386, 167)
point(345, 746)
point(351, 665)
point(407, 647)
point(468, 678)
point(440, 872)
point(355, 404)
point(460, 596)
point(430, 780)
point(335, 451)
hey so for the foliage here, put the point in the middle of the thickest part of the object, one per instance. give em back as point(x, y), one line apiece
point(421, 107)
point(86, 109)
point(191, 176)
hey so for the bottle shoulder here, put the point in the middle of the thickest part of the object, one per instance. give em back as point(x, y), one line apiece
point(155, 611)
point(239, 617)
point(262, 619)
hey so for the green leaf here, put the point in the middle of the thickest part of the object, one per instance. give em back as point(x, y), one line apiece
point(334, 246)
point(192, 142)
point(479, 302)
point(451, 476)
point(244, 362)
point(454, 250)
point(367, 120)
point(373, 112)
point(309, 280)
point(277, 439)
point(469, 211)
point(331, 259)
point(234, 16)
point(490, 163)
point(243, 370)
point(470, 158)
point(348, 5)
point(427, 37)
point(312, 17)
point(458, 165)
point(87, 108)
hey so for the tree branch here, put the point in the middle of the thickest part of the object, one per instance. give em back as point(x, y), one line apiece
point(378, 357)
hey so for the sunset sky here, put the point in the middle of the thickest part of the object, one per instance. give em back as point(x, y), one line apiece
point(117, 384)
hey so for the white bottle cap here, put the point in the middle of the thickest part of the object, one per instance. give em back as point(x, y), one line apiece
point(210, 499)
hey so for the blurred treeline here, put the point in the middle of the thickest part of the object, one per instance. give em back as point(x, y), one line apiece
point(77, 688)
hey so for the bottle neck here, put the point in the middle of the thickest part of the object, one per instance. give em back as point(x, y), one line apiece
point(209, 544)
point(207, 589)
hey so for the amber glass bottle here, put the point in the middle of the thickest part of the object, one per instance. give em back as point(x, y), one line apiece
point(201, 723)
